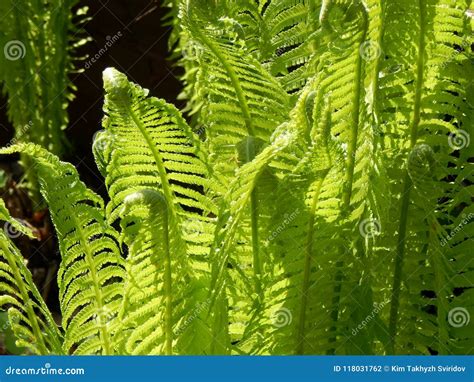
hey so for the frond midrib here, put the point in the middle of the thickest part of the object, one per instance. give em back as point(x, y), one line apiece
point(169, 196)
point(235, 82)
point(407, 184)
point(158, 160)
point(349, 174)
point(26, 298)
point(307, 268)
point(89, 257)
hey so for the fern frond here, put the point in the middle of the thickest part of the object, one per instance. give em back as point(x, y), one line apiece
point(39, 40)
point(30, 319)
point(164, 306)
point(91, 274)
point(152, 151)
point(284, 36)
point(151, 135)
point(239, 251)
point(432, 63)
point(239, 98)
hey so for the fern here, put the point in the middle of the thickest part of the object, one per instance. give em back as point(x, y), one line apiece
point(424, 124)
point(150, 135)
point(233, 96)
point(38, 41)
point(35, 67)
point(284, 36)
point(288, 220)
point(91, 270)
point(30, 319)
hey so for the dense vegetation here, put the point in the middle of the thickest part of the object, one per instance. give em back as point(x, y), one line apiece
point(315, 198)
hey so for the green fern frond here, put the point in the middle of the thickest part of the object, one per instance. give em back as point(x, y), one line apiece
point(284, 36)
point(30, 319)
point(150, 136)
point(239, 98)
point(164, 306)
point(151, 146)
point(239, 252)
point(39, 40)
point(432, 64)
point(91, 274)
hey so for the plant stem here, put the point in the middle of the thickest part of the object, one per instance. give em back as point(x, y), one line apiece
point(400, 250)
point(255, 243)
point(25, 296)
point(349, 179)
point(168, 288)
point(235, 83)
point(307, 269)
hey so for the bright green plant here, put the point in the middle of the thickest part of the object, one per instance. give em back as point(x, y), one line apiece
point(38, 41)
point(318, 208)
